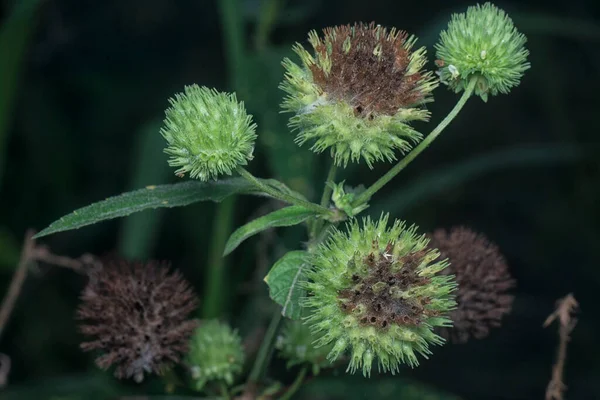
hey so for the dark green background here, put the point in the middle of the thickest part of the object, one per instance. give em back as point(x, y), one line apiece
point(87, 102)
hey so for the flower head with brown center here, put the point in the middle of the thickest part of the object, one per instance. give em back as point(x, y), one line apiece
point(357, 93)
point(136, 315)
point(376, 291)
point(483, 282)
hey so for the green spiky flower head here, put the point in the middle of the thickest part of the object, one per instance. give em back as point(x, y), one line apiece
point(482, 43)
point(356, 94)
point(208, 133)
point(296, 343)
point(375, 291)
point(215, 354)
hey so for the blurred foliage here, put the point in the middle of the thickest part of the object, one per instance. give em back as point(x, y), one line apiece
point(83, 91)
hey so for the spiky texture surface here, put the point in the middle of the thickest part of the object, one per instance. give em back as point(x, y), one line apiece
point(483, 279)
point(208, 133)
point(296, 345)
point(357, 92)
point(216, 353)
point(136, 315)
point(483, 42)
point(375, 291)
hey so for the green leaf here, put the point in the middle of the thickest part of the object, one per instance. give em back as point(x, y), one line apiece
point(175, 195)
point(139, 232)
point(285, 282)
point(287, 216)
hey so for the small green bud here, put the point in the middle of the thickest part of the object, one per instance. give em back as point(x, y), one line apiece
point(215, 353)
point(377, 292)
point(482, 43)
point(208, 133)
point(357, 93)
point(296, 345)
point(344, 200)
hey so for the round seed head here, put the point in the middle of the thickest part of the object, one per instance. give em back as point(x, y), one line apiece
point(216, 354)
point(482, 43)
point(136, 317)
point(356, 94)
point(376, 291)
point(208, 133)
point(484, 282)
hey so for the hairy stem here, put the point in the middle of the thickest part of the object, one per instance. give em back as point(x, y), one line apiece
point(367, 194)
point(325, 198)
point(295, 385)
point(262, 358)
point(282, 196)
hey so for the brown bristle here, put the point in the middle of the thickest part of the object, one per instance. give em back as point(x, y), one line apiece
point(373, 291)
point(483, 282)
point(137, 316)
point(371, 83)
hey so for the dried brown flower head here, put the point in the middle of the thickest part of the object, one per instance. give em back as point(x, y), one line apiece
point(368, 68)
point(483, 282)
point(137, 316)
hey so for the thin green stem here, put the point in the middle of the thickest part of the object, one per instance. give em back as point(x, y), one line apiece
point(282, 196)
point(295, 385)
point(224, 391)
point(367, 194)
point(328, 189)
point(216, 268)
point(264, 351)
point(317, 224)
point(268, 15)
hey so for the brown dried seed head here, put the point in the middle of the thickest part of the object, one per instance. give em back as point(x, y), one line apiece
point(375, 292)
point(483, 282)
point(136, 315)
point(369, 68)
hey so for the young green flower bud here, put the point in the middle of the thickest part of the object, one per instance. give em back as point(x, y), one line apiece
point(344, 200)
point(208, 133)
point(356, 95)
point(482, 43)
point(216, 353)
point(376, 291)
point(296, 345)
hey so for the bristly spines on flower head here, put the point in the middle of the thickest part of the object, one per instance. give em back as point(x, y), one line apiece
point(482, 43)
point(484, 282)
point(376, 290)
point(137, 316)
point(357, 94)
point(216, 354)
point(208, 132)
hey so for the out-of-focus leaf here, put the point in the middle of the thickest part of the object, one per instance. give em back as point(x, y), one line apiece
point(9, 250)
point(14, 38)
point(139, 231)
point(435, 182)
point(285, 282)
point(287, 216)
point(292, 164)
point(174, 195)
point(337, 388)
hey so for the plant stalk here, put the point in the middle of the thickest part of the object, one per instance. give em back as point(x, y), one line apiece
point(262, 358)
point(295, 385)
point(388, 176)
point(282, 196)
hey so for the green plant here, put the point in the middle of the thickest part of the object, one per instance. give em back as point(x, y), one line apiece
point(365, 292)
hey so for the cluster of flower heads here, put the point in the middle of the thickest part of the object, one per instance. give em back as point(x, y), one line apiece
point(137, 316)
point(376, 291)
point(356, 95)
point(483, 279)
